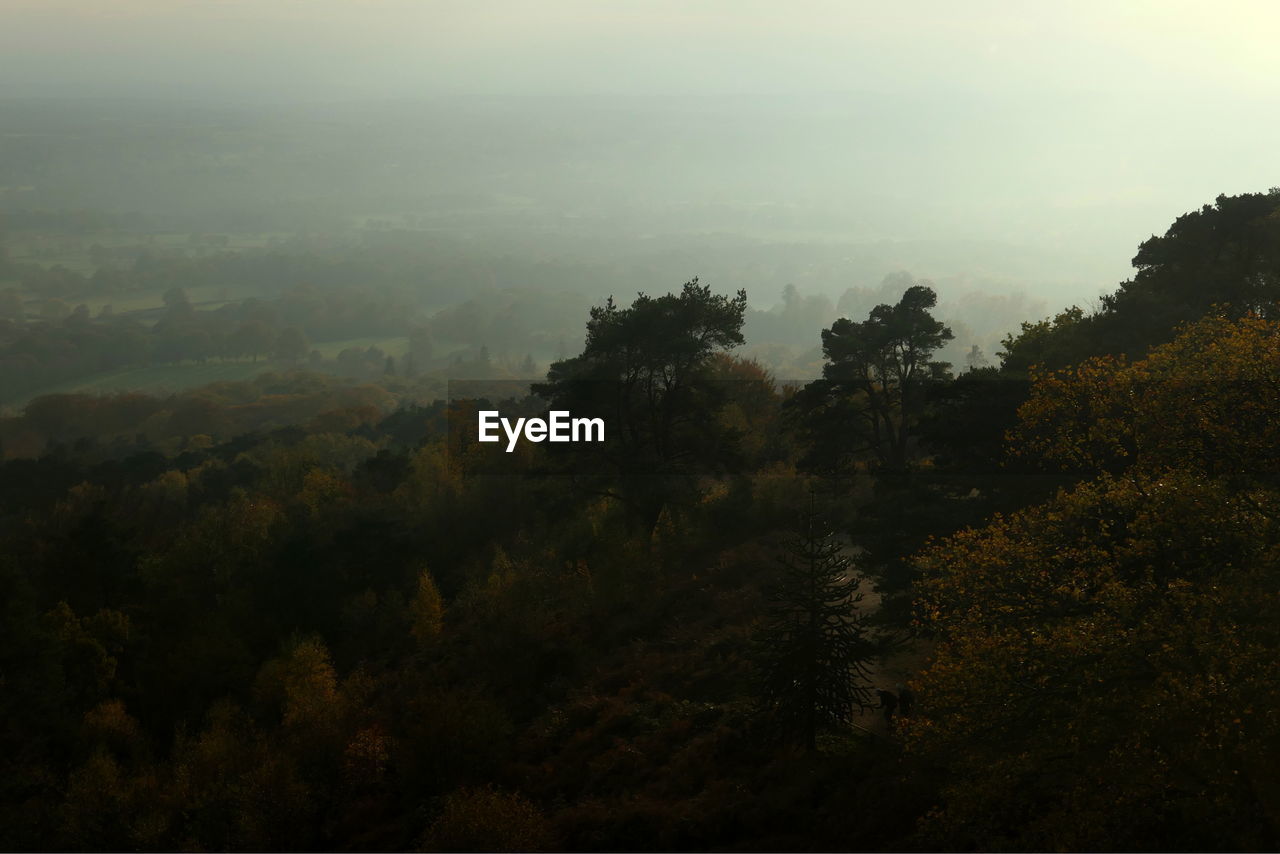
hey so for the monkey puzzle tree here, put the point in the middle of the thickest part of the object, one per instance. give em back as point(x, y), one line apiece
point(814, 650)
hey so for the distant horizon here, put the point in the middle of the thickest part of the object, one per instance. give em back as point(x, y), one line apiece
point(1070, 133)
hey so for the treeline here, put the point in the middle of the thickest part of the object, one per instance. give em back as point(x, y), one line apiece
point(1224, 254)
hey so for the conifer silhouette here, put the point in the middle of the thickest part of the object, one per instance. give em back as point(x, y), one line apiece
point(815, 649)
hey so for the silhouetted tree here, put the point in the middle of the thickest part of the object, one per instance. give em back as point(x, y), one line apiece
point(1225, 254)
point(644, 370)
point(975, 359)
point(814, 651)
point(252, 338)
point(291, 344)
point(885, 362)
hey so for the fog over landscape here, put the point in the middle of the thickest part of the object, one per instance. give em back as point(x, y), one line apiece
point(604, 425)
point(982, 148)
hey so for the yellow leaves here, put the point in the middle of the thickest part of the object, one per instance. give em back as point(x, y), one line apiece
point(286, 467)
point(168, 490)
point(1121, 634)
point(81, 501)
point(426, 609)
point(487, 819)
point(367, 755)
point(301, 683)
point(234, 780)
point(1205, 401)
point(95, 790)
point(666, 532)
point(108, 721)
point(434, 480)
point(322, 488)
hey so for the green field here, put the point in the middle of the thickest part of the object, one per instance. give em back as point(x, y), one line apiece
point(163, 379)
point(159, 379)
point(205, 298)
point(72, 251)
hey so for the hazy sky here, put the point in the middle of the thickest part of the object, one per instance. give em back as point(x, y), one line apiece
point(396, 48)
point(1093, 122)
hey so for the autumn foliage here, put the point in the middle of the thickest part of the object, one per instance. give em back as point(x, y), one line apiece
point(1105, 675)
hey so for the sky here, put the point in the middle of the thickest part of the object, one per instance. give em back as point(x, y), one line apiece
point(399, 48)
point(1085, 123)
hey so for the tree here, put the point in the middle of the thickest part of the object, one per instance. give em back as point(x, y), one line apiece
point(1051, 343)
point(1202, 402)
point(484, 819)
point(975, 359)
point(78, 319)
point(1226, 254)
point(1100, 670)
point(814, 650)
point(179, 315)
point(291, 344)
point(176, 300)
point(1104, 663)
point(644, 370)
point(426, 609)
point(886, 362)
point(252, 338)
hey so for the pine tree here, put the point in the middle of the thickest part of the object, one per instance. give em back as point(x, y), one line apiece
point(815, 649)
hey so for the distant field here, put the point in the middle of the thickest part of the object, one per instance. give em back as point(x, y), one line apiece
point(161, 379)
point(72, 251)
point(204, 298)
point(122, 303)
point(158, 379)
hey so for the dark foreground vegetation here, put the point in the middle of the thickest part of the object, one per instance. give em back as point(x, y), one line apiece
point(302, 612)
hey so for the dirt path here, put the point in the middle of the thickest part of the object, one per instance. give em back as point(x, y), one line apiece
point(899, 669)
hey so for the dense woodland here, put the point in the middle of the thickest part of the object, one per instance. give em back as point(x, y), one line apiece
point(308, 611)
